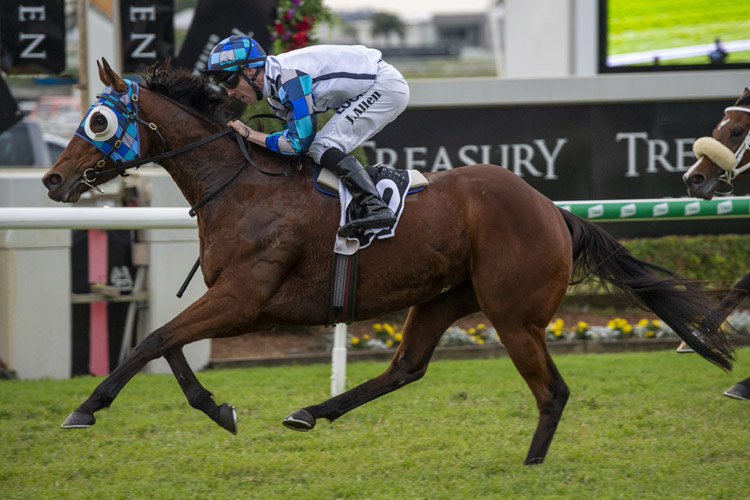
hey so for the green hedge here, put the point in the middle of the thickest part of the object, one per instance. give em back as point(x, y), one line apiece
point(720, 257)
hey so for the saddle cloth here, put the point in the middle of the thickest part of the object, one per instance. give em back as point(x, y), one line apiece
point(393, 186)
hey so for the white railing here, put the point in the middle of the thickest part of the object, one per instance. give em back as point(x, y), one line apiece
point(96, 218)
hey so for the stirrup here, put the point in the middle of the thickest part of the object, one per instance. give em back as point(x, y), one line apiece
point(359, 226)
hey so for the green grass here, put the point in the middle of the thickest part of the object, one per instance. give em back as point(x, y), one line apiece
point(640, 425)
point(639, 25)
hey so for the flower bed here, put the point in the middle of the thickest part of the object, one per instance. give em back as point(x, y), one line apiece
point(388, 336)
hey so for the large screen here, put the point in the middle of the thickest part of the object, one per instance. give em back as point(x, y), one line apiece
point(665, 35)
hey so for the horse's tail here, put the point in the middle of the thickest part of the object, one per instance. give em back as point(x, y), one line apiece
point(681, 303)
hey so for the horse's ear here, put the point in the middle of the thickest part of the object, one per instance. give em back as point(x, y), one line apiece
point(109, 77)
point(743, 98)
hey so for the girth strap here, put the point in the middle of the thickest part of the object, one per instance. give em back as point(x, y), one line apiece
point(343, 289)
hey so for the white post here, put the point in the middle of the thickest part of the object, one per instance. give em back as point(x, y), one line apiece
point(496, 20)
point(338, 360)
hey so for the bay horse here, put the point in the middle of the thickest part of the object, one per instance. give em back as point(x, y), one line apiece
point(721, 160)
point(477, 239)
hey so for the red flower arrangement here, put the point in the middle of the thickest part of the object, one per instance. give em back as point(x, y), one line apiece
point(294, 24)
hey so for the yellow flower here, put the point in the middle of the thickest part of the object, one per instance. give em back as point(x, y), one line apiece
point(389, 343)
point(643, 322)
point(378, 327)
point(398, 337)
point(611, 324)
point(559, 323)
point(582, 325)
point(472, 331)
point(627, 328)
point(557, 333)
point(481, 326)
point(656, 323)
point(355, 340)
point(649, 333)
point(480, 341)
point(389, 328)
point(366, 337)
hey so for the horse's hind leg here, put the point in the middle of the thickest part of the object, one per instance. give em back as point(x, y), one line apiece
point(198, 397)
point(424, 326)
point(529, 353)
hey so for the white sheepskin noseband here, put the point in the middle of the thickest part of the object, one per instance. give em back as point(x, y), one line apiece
point(718, 153)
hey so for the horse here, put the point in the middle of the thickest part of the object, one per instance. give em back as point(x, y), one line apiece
point(721, 160)
point(479, 238)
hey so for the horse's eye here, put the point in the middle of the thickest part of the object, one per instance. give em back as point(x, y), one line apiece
point(737, 131)
point(101, 123)
point(98, 123)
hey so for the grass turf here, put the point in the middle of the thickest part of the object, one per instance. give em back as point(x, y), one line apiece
point(638, 425)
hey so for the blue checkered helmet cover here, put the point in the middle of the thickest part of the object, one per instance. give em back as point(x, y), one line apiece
point(119, 141)
point(234, 52)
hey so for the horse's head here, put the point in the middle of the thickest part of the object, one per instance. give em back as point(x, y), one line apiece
point(107, 135)
point(725, 156)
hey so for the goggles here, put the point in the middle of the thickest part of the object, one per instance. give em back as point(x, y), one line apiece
point(227, 79)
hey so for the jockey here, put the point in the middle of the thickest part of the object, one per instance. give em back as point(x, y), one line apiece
point(366, 92)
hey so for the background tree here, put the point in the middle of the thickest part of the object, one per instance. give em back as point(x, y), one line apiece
point(385, 23)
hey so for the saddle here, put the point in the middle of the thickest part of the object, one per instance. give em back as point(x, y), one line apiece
point(394, 186)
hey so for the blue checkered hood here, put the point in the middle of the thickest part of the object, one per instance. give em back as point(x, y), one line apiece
point(235, 51)
point(124, 144)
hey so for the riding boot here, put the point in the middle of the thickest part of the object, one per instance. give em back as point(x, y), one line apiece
point(360, 185)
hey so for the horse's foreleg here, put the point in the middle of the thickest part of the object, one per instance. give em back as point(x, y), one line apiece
point(198, 397)
point(424, 326)
point(739, 291)
point(106, 391)
point(740, 390)
point(212, 314)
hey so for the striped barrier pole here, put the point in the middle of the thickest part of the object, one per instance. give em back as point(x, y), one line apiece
point(656, 209)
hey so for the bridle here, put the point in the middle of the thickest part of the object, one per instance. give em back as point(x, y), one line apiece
point(91, 174)
point(722, 156)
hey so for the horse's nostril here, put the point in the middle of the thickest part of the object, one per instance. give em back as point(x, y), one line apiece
point(697, 180)
point(52, 181)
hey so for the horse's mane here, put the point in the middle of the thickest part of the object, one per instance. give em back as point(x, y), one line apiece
point(188, 89)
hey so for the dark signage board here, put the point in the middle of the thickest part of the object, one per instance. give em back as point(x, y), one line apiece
point(568, 152)
point(32, 36)
point(215, 20)
point(147, 32)
point(9, 112)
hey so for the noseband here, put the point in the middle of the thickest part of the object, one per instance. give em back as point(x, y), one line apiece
point(722, 156)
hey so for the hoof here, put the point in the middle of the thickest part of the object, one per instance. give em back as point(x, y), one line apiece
point(78, 420)
point(299, 420)
point(738, 391)
point(228, 418)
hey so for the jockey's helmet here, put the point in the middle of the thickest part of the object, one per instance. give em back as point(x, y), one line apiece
point(232, 54)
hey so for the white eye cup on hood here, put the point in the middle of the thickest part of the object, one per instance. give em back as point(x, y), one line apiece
point(111, 128)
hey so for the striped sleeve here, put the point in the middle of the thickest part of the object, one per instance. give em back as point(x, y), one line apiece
point(295, 95)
